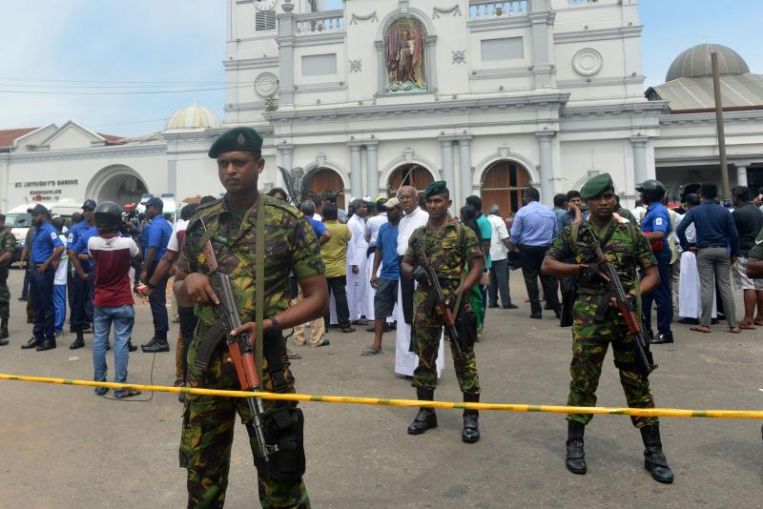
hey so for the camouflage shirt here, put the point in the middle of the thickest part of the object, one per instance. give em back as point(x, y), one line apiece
point(7, 240)
point(290, 246)
point(627, 249)
point(448, 251)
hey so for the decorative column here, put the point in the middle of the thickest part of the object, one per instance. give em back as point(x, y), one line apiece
point(446, 149)
point(356, 180)
point(431, 57)
point(285, 40)
point(286, 151)
point(172, 175)
point(381, 68)
point(464, 169)
point(542, 17)
point(639, 144)
point(372, 166)
point(547, 169)
point(741, 175)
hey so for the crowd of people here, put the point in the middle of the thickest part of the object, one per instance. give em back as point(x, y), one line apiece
point(402, 263)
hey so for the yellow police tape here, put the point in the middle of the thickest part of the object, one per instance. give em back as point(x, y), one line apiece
point(353, 400)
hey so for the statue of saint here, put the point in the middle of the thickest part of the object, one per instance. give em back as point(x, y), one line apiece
point(405, 66)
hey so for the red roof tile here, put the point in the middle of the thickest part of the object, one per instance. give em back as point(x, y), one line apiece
point(8, 136)
point(112, 139)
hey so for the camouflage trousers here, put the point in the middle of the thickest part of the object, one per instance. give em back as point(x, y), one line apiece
point(426, 333)
point(591, 340)
point(5, 300)
point(207, 437)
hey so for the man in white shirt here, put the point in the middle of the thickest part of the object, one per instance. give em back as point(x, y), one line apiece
point(356, 263)
point(499, 252)
point(373, 224)
point(405, 360)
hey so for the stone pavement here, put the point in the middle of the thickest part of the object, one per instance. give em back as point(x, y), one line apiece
point(64, 447)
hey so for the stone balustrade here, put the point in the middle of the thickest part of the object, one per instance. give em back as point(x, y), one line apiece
point(320, 22)
point(485, 9)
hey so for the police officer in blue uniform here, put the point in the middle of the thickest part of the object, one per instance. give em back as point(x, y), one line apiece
point(81, 316)
point(156, 236)
point(46, 251)
point(84, 273)
point(656, 227)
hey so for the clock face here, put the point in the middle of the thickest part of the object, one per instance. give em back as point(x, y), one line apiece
point(266, 84)
point(265, 5)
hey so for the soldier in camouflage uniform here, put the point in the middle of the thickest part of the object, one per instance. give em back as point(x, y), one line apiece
point(230, 224)
point(7, 248)
point(627, 249)
point(454, 252)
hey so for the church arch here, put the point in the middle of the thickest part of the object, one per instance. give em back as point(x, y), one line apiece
point(323, 178)
point(409, 174)
point(118, 183)
point(502, 183)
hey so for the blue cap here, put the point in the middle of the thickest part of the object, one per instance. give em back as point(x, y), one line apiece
point(89, 205)
point(154, 202)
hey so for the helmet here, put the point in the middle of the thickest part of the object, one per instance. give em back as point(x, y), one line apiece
point(108, 216)
point(652, 189)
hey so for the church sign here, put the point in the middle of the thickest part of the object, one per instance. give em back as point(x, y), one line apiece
point(43, 190)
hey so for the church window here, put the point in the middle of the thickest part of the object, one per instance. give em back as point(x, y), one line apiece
point(265, 20)
point(404, 56)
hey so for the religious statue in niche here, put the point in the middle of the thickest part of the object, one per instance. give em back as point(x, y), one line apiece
point(404, 45)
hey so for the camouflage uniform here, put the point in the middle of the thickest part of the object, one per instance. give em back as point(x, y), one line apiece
point(208, 421)
point(627, 249)
point(7, 245)
point(448, 252)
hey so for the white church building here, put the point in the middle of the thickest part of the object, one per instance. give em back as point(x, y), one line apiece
point(491, 96)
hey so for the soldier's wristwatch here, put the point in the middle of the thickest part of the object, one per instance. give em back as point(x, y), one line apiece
point(275, 327)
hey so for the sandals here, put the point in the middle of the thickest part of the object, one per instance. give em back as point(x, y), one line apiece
point(746, 326)
point(348, 329)
point(701, 328)
point(735, 330)
point(368, 352)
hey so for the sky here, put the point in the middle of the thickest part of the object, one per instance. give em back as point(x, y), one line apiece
point(123, 67)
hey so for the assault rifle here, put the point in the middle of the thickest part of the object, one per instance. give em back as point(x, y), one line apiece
point(627, 307)
point(241, 352)
point(442, 304)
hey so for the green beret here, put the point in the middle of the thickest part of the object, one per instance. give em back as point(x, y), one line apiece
point(436, 187)
point(240, 139)
point(595, 186)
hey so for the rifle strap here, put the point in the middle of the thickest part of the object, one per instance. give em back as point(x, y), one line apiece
point(259, 284)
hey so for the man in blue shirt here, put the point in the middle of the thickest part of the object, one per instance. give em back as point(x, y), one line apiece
point(386, 282)
point(45, 253)
point(80, 295)
point(533, 230)
point(717, 250)
point(156, 236)
point(656, 227)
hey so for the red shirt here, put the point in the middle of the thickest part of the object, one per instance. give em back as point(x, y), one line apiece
point(112, 257)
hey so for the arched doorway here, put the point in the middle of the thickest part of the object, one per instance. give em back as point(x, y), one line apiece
point(503, 184)
point(409, 175)
point(120, 184)
point(323, 180)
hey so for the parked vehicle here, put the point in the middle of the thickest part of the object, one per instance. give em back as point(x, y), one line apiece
point(20, 220)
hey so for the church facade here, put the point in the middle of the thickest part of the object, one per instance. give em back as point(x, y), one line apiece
point(490, 96)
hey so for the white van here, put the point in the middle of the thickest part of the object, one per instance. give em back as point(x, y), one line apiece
point(20, 221)
point(65, 208)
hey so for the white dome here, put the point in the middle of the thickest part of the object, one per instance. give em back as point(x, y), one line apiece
point(192, 118)
point(695, 62)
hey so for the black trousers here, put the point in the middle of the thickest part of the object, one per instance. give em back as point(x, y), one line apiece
point(337, 286)
point(79, 295)
point(531, 258)
point(158, 302)
point(407, 287)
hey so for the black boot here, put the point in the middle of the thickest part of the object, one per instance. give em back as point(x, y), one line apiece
point(575, 460)
point(4, 330)
point(32, 343)
point(151, 342)
point(48, 344)
point(159, 345)
point(471, 432)
point(130, 346)
point(426, 418)
point(654, 459)
point(79, 342)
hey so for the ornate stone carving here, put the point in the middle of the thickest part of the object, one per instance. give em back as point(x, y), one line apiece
point(459, 56)
point(356, 65)
point(454, 11)
point(587, 62)
point(372, 18)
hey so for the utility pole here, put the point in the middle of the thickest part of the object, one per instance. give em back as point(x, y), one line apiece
point(719, 125)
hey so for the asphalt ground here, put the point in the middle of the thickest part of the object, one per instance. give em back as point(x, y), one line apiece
point(64, 447)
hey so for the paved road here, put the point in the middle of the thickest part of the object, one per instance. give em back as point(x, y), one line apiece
point(64, 447)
